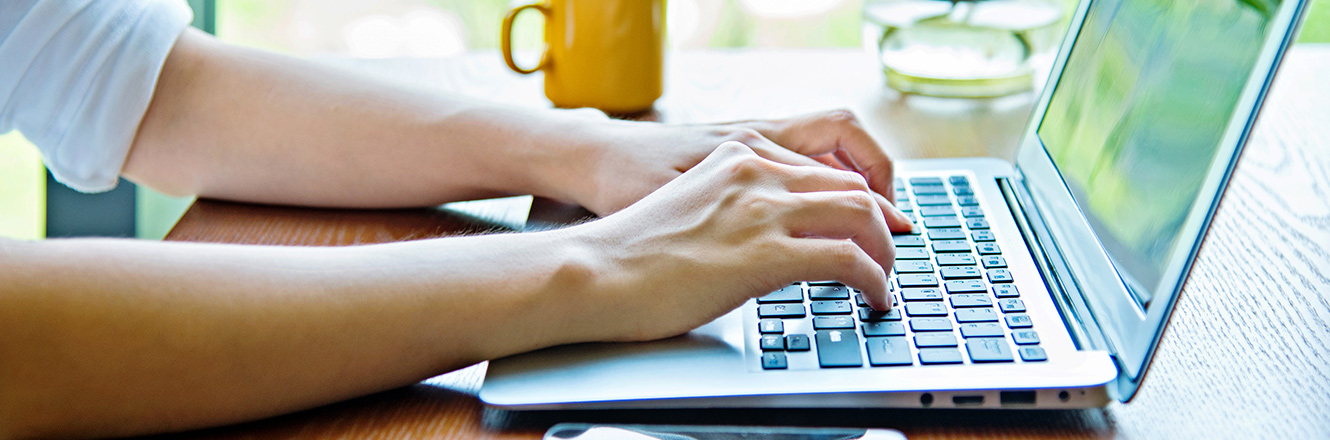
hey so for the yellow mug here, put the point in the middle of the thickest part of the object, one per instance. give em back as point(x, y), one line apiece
point(605, 54)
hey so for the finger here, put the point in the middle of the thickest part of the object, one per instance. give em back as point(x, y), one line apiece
point(832, 132)
point(843, 261)
point(776, 153)
point(860, 152)
point(831, 161)
point(811, 179)
point(897, 221)
point(852, 215)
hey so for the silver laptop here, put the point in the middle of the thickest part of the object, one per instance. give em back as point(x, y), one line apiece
point(1045, 283)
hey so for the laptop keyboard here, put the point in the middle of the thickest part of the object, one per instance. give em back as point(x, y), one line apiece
point(954, 298)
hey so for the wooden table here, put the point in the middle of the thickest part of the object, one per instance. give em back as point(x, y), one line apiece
point(1246, 353)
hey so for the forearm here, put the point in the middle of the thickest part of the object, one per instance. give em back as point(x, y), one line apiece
point(105, 337)
point(234, 123)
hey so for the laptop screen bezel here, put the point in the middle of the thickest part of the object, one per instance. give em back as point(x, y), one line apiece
point(1133, 332)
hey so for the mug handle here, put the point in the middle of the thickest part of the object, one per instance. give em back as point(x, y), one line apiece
point(506, 38)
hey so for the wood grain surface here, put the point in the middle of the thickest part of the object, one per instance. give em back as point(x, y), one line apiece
point(1244, 357)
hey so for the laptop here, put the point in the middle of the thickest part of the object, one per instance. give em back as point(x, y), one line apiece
point(1043, 283)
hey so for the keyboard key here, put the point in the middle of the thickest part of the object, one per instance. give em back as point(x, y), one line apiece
point(981, 330)
point(774, 361)
point(826, 283)
point(869, 315)
point(916, 280)
point(949, 246)
point(838, 348)
point(797, 343)
point(936, 211)
point(889, 352)
point(935, 339)
point(780, 311)
point(994, 262)
point(828, 292)
point(999, 276)
point(884, 329)
point(1006, 291)
point(1033, 354)
point(987, 248)
point(914, 266)
point(966, 287)
point(970, 211)
point(1019, 320)
point(967, 201)
point(832, 322)
point(859, 299)
point(772, 342)
point(925, 180)
point(1025, 337)
point(785, 294)
point(988, 350)
point(907, 241)
point(931, 324)
point(931, 356)
point(946, 234)
point(982, 236)
point(976, 223)
point(925, 309)
point(831, 307)
point(971, 300)
point(929, 190)
point(942, 222)
point(962, 190)
point(924, 294)
point(1011, 305)
point(912, 253)
point(775, 326)
point(922, 201)
point(960, 272)
point(904, 205)
point(952, 259)
point(959, 180)
point(985, 314)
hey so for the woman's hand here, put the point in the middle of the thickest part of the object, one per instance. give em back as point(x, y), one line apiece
point(632, 159)
point(733, 227)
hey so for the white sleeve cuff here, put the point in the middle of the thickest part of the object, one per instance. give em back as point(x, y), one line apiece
point(84, 73)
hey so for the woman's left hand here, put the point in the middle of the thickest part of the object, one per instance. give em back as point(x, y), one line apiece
point(633, 159)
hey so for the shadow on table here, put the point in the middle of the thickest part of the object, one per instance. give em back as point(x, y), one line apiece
point(1091, 423)
point(433, 411)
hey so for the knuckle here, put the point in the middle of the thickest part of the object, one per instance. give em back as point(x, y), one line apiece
point(842, 117)
point(731, 148)
point(751, 167)
point(855, 180)
point(745, 135)
point(845, 254)
point(759, 205)
point(861, 202)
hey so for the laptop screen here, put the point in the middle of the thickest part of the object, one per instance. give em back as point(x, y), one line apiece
point(1135, 123)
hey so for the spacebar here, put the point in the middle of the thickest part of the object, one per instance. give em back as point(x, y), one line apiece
point(838, 348)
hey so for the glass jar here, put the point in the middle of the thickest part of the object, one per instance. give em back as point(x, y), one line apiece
point(961, 48)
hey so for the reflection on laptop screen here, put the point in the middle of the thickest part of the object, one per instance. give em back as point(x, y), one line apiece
point(1136, 120)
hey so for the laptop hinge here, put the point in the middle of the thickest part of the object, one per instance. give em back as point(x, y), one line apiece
point(1084, 330)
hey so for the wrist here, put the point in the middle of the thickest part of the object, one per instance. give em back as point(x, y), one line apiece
point(558, 154)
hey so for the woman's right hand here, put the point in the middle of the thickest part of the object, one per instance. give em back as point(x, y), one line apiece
point(734, 227)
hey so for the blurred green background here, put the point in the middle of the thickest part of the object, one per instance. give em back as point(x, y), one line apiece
point(437, 28)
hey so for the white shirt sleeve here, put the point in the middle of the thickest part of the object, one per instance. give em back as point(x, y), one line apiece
point(76, 77)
